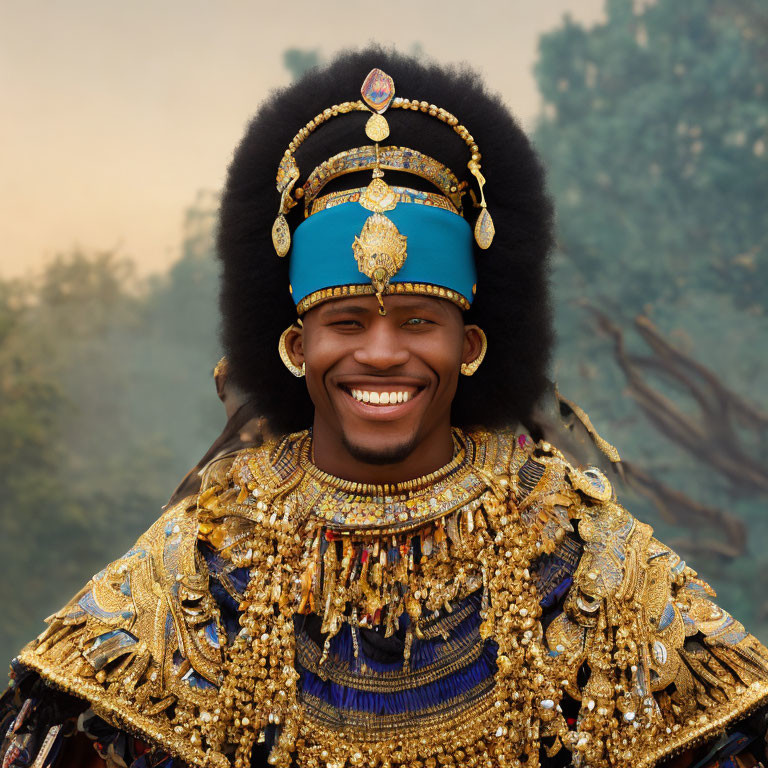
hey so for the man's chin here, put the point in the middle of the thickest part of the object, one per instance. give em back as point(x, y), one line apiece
point(380, 454)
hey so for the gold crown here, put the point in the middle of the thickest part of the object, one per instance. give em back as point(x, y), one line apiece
point(378, 92)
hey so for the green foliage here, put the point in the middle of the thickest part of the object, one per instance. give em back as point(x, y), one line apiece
point(298, 61)
point(654, 131)
point(105, 405)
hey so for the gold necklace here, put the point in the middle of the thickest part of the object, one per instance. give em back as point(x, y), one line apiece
point(348, 507)
point(306, 462)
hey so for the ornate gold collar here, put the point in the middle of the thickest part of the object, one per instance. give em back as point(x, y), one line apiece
point(348, 507)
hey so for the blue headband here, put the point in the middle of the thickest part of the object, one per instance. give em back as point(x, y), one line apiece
point(438, 255)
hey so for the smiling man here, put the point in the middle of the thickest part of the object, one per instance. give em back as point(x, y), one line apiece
point(382, 384)
point(408, 575)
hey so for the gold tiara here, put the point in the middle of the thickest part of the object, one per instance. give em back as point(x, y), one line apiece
point(399, 194)
point(387, 159)
point(378, 92)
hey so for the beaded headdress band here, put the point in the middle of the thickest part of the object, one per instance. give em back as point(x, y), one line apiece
point(379, 248)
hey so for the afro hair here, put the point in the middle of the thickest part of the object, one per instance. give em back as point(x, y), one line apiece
point(512, 303)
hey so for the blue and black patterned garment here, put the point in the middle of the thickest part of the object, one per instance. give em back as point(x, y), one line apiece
point(45, 728)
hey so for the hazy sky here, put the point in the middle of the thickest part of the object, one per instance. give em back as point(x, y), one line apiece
point(114, 114)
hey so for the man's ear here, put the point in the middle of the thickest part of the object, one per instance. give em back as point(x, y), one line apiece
point(473, 343)
point(220, 378)
point(294, 344)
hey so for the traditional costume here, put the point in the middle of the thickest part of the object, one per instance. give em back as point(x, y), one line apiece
point(504, 610)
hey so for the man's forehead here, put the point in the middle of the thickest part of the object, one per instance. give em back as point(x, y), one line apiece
point(369, 305)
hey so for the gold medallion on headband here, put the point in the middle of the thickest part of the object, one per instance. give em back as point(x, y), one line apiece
point(380, 252)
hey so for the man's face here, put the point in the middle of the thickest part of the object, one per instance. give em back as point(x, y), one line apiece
point(382, 386)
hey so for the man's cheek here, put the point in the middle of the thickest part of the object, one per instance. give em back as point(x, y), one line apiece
point(314, 389)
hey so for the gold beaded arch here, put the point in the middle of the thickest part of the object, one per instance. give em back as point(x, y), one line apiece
point(378, 95)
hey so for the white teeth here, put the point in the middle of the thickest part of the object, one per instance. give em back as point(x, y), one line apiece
point(380, 398)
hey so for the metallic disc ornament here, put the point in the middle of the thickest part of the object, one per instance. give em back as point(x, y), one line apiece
point(378, 197)
point(281, 236)
point(377, 128)
point(484, 229)
point(378, 90)
point(287, 175)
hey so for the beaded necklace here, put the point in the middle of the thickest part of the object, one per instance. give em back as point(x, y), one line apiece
point(366, 567)
point(306, 455)
point(347, 507)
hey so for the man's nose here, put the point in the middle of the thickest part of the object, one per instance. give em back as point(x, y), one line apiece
point(381, 348)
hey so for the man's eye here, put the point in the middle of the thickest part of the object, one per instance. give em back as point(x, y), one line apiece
point(416, 321)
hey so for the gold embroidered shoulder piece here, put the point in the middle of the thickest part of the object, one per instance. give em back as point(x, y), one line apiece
point(462, 570)
point(665, 667)
point(142, 639)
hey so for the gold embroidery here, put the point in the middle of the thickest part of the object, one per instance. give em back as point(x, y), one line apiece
point(341, 291)
point(380, 251)
point(401, 195)
point(387, 159)
point(667, 667)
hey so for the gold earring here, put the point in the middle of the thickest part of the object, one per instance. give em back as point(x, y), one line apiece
point(297, 371)
point(468, 369)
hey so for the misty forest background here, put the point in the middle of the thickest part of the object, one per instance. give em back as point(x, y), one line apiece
point(654, 130)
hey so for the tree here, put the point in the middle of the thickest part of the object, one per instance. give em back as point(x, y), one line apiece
point(104, 406)
point(298, 61)
point(654, 131)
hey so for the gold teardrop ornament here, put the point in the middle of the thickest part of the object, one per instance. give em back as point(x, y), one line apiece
point(281, 236)
point(378, 197)
point(484, 229)
point(377, 128)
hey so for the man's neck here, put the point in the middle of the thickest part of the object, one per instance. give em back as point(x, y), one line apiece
point(331, 454)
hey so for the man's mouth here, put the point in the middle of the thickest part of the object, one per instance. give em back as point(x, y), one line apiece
point(382, 397)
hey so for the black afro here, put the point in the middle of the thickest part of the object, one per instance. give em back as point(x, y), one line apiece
point(512, 303)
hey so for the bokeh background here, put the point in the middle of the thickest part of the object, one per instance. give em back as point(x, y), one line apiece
point(118, 121)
